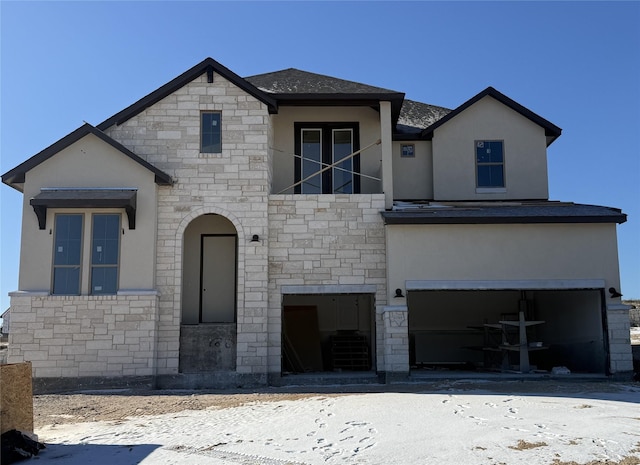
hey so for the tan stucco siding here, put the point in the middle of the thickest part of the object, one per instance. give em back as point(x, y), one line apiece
point(502, 252)
point(90, 163)
point(284, 140)
point(525, 160)
point(413, 177)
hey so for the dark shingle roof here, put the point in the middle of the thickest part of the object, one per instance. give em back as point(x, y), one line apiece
point(295, 87)
point(295, 81)
point(502, 213)
point(415, 116)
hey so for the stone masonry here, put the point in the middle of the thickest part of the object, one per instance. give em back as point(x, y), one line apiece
point(84, 336)
point(233, 184)
point(619, 339)
point(327, 240)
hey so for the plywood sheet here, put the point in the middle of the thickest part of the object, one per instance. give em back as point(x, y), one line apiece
point(16, 397)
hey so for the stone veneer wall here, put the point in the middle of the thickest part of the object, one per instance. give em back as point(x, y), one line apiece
point(620, 355)
point(84, 336)
point(323, 240)
point(234, 184)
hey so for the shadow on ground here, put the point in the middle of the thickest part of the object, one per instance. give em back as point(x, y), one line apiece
point(96, 454)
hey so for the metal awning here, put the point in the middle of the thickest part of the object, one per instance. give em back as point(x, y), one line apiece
point(85, 198)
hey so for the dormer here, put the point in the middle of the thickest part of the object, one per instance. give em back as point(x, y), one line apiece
point(490, 148)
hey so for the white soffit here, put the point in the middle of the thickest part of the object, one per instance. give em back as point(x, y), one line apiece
point(526, 284)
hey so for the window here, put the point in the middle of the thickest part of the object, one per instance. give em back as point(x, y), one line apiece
point(210, 132)
point(407, 150)
point(489, 163)
point(67, 257)
point(323, 144)
point(105, 249)
point(68, 261)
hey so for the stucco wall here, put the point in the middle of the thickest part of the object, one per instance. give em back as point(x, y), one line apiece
point(284, 140)
point(525, 160)
point(413, 177)
point(90, 162)
point(502, 252)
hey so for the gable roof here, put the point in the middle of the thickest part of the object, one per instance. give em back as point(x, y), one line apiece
point(551, 130)
point(17, 174)
point(296, 87)
point(209, 66)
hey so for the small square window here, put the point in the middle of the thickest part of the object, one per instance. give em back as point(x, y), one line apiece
point(407, 151)
point(211, 132)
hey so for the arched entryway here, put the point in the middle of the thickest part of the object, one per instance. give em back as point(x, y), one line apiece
point(209, 296)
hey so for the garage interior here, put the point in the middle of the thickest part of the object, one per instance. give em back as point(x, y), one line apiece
point(484, 330)
point(327, 333)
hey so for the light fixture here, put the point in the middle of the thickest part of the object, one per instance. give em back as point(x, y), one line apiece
point(398, 293)
point(255, 238)
point(614, 292)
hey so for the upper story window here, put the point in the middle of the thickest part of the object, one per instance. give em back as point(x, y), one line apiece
point(321, 145)
point(210, 132)
point(68, 262)
point(489, 163)
point(67, 254)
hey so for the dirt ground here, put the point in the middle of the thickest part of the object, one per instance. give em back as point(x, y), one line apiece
point(52, 409)
point(110, 405)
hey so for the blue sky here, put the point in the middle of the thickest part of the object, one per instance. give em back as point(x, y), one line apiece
point(576, 64)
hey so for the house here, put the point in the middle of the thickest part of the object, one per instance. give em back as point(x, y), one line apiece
point(227, 231)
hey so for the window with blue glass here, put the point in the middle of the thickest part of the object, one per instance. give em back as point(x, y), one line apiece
point(490, 163)
point(67, 256)
point(211, 132)
point(105, 251)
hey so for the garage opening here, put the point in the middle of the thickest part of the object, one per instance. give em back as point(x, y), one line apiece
point(327, 333)
point(508, 330)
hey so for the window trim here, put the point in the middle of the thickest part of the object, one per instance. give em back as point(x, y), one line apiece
point(208, 112)
point(489, 189)
point(53, 258)
point(327, 131)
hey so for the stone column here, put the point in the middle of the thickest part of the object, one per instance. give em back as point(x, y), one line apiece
point(620, 357)
point(395, 330)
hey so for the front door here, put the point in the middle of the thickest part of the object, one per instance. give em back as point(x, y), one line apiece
point(218, 279)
